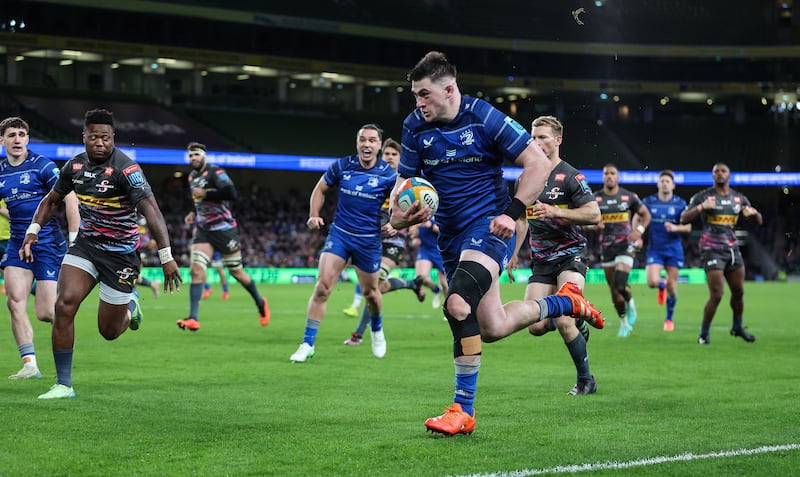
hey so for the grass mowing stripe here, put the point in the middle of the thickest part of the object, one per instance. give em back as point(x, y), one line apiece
point(571, 469)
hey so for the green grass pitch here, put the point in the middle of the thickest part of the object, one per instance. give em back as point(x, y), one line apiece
point(227, 401)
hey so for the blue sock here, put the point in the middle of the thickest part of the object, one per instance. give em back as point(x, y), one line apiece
point(398, 283)
point(365, 320)
point(195, 293)
point(376, 320)
point(672, 300)
point(436, 289)
point(556, 306)
point(466, 384)
point(358, 289)
point(206, 286)
point(225, 287)
point(310, 336)
point(63, 360)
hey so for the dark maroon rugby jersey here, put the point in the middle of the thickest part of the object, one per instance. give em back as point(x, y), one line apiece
point(108, 193)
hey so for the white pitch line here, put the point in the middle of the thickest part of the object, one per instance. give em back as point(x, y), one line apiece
point(635, 463)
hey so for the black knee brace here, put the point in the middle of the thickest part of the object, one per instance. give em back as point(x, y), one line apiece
point(621, 284)
point(471, 281)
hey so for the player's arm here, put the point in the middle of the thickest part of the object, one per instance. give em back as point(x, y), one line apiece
point(641, 219)
point(4, 212)
point(535, 169)
point(315, 204)
point(158, 231)
point(522, 233)
point(73, 216)
point(586, 214)
point(44, 212)
point(750, 212)
point(690, 213)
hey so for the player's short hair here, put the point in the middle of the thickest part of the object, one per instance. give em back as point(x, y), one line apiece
point(196, 145)
point(551, 121)
point(611, 164)
point(389, 142)
point(13, 122)
point(374, 127)
point(433, 65)
point(667, 172)
point(99, 116)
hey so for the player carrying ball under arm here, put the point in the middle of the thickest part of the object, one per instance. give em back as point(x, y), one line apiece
point(459, 144)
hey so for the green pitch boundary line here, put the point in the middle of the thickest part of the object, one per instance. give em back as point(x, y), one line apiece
point(636, 463)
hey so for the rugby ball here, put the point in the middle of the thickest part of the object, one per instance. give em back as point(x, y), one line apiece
point(416, 189)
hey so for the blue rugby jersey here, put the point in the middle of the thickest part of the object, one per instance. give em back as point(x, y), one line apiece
point(463, 160)
point(361, 194)
point(662, 212)
point(23, 187)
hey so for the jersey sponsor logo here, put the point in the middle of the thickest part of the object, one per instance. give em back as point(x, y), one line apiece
point(76, 166)
point(554, 193)
point(729, 220)
point(134, 175)
point(372, 181)
point(90, 175)
point(737, 199)
point(467, 138)
point(475, 242)
point(599, 199)
point(101, 202)
point(559, 177)
point(108, 170)
point(25, 178)
point(615, 217)
point(426, 143)
point(584, 185)
point(514, 125)
point(222, 175)
point(104, 186)
point(57, 172)
point(625, 198)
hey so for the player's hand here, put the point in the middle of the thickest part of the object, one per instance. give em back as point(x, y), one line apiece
point(389, 230)
point(709, 203)
point(189, 219)
point(541, 210)
point(749, 211)
point(510, 267)
point(315, 223)
point(25, 252)
point(669, 226)
point(503, 226)
point(412, 216)
point(172, 277)
point(198, 193)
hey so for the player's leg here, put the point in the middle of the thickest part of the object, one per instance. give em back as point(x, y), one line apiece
point(20, 281)
point(76, 280)
point(735, 279)
point(201, 252)
point(372, 310)
point(655, 265)
point(715, 280)
point(672, 296)
point(331, 266)
point(574, 337)
point(233, 262)
point(223, 281)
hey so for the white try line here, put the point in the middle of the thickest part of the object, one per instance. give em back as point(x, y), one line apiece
point(636, 463)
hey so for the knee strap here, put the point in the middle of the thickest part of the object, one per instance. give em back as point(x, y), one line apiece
point(471, 281)
point(200, 258)
point(233, 263)
point(620, 281)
